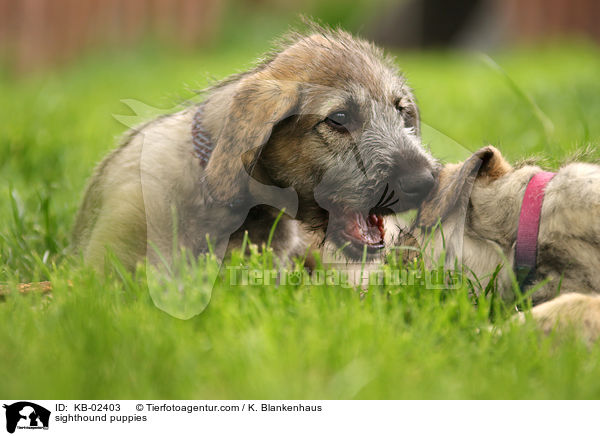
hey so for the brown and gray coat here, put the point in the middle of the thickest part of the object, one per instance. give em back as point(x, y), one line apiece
point(276, 145)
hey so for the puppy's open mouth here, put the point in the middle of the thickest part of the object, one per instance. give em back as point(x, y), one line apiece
point(366, 231)
point(356, 231)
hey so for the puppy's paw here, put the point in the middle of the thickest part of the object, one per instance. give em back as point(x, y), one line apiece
point(572, 310)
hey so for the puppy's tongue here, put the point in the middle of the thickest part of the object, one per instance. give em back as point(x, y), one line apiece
point(368, 230)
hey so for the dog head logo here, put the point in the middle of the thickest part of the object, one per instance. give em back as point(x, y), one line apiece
point(26, 415)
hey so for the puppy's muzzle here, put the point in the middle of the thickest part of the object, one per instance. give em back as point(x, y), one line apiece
point(411, 182)
point(416, 186)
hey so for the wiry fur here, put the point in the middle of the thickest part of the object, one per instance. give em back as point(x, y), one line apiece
point(479, 202)
point(272, 149)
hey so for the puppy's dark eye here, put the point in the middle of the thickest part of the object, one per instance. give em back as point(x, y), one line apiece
point(338, 121)
point(410, 116)
point(399, 106)
point(406, 111)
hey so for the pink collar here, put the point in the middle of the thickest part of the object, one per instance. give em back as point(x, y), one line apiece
point(529, 227)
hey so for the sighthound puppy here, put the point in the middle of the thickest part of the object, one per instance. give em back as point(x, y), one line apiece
point(325, 127)
point(479, 204)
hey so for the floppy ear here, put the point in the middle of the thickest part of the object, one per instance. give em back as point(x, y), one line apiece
point(257, 106)
point(456, 181)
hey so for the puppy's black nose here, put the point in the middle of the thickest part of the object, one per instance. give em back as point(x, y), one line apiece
point(416, 185)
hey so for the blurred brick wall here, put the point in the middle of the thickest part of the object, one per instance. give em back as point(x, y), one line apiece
point(533, 19)
point(483, 23)
point(36, 33)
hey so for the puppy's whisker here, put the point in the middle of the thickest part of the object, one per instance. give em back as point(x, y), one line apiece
point(389, 205)
point(381, 200)
point(390, 196)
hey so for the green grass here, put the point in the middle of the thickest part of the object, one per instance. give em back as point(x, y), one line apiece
point(104, 338)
